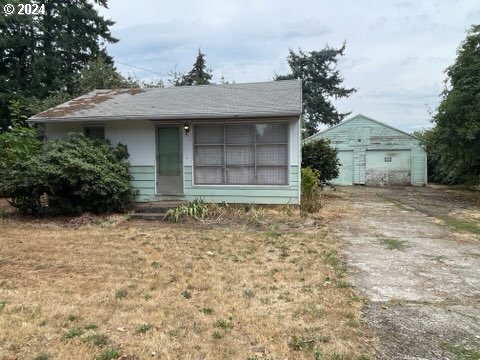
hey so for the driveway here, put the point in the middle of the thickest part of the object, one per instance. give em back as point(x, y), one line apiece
point(415, 255)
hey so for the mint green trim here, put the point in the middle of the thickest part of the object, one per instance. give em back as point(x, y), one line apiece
point(143, 181)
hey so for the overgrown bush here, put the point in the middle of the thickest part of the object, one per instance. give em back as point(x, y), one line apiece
point(197, 209)
point(16, 145)
point(75, 174)
point(319, 155)
point(310, 199)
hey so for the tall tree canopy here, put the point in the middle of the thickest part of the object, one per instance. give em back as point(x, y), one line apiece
point(199, 75)
point(321, 83)
point(43, 54)
point(456, 139)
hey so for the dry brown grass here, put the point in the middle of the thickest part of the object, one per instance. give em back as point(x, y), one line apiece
point(268, 286)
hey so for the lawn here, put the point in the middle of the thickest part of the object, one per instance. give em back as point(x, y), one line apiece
point(262, 284)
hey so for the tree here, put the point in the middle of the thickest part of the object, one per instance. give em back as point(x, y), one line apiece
point(457, 120)
point(321, 82)
point(100, 74)
point(199, 75)
point(319, 155)
point(43, 54)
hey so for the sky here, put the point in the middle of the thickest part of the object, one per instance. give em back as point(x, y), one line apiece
point(396, 51)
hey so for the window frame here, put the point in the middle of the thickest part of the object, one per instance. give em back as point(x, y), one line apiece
point(85, 127)
point(287, 166)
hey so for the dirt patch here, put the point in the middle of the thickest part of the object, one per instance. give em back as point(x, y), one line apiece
point(421, 276)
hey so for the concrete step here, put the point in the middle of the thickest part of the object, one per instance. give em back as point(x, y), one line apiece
point(157, 206)
point(157, 216)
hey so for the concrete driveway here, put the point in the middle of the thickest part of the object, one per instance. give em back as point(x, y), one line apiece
point(415, 254)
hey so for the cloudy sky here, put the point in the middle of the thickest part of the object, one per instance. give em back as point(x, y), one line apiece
point(396, 50)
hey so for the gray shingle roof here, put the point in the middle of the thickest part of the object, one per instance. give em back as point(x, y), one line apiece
point(275, 98)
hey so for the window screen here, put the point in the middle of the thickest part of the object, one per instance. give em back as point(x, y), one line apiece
point(241, 154)
point(95, 132)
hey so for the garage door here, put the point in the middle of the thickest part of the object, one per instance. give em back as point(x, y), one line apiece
point(346, 168)
point(387, 167)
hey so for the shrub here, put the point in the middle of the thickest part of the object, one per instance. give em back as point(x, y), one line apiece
point(319, 155)
point(310, 200)
point(76, 174)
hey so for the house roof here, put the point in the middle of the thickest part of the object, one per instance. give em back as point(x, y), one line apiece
point(263, 99)
point(355, 117)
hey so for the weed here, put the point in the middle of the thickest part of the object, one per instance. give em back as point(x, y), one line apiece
point(393, 244)
point(462, 225)
point(342, 284)
point(90, 326)
point(461, 352)
point(73, 332)
point(43, 356)
point(42, 323)
point(187, 294)
point(156, 264)
point(299, 343)
point(198, 209)
point(217, 335)
point(147, 296)
point(3, 303)
point(99, 340)
point(207, 311)
point(174, 332)
point(248, 293)
point(4, 214)
point(331, 258)
point(120, 294)
point(109, 354)
point(142, 329)
point(223, 324)
point(72, 317)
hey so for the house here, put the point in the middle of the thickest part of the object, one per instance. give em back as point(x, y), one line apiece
point(374, 153)
point(238, 143)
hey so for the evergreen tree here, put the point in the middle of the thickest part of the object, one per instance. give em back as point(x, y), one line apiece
point(199, 75)
point(321, 83)
point(456, 135)
point(43, 54)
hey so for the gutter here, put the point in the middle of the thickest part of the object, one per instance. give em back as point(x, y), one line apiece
point(34, 119)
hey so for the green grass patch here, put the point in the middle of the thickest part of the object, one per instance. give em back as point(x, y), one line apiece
point(461, 352)
point(393, 244)
point(142, 329)
point(462, 225)
point(110, 354)
point(73, 332)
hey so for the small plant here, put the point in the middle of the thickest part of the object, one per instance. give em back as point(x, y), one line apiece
point(110, 354)
point(217, 335)
point(120, 294)
point(197, 209)
point(223, 324)
point(156, 265)
point(73, 332)
point(43, 356)
point(90, 326)
point(147, 296)
point(3, 303)
point(72, 317)
point(248, 293)
point(99, 340)
point(4, 214)
point(300, 343)
point(393, 244)
point(207, 311)
point(187, 294)
point(310, 200)
point(142, 329)
point(174, 332)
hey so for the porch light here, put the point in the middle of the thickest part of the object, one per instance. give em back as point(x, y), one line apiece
point(186, 127)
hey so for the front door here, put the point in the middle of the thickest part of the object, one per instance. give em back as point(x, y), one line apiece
point(169, 161)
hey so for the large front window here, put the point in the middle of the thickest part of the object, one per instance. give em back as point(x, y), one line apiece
point(252, 154)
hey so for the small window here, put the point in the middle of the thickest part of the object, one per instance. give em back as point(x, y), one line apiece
point(95, 132)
